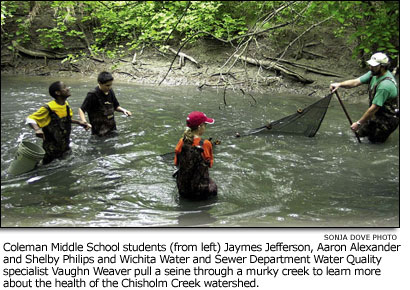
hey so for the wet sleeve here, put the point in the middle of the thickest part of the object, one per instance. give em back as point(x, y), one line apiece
point(365, 79)
point(208, 154)
point(41, 117)
point(178, 149)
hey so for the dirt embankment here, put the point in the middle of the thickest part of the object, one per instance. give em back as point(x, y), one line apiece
point(307, 67)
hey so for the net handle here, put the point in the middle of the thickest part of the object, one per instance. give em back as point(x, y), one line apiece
point(347, 115)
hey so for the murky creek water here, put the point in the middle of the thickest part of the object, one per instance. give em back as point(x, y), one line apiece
point(268, 180)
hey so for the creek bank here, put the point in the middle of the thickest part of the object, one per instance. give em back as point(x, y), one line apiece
point(208, 64)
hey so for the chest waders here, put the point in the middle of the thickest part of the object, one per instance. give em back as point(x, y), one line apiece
point(57, 135)
point(386, 119)
point(102, 118)
point(192, 177)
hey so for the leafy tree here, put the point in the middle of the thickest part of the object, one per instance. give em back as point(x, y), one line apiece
point(375, 24)
point(111, 26)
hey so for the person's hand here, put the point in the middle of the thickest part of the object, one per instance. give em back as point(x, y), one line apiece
point(40, 133)
point(355, 126)
point(216, 142)
point(127, 113)
point(85, 125)
point(334, 87)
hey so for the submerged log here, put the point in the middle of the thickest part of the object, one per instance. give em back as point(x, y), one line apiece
point(36, 53)
point(275, 66)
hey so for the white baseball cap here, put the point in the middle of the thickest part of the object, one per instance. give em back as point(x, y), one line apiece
point(378, 58)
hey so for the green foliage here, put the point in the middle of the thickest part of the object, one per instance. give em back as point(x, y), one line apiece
point(8, 9)
point(370, 25)
point(52, 38)
point(212, 17)
point(138, 24)
point(375, 24)
point(71, 58)
point(23, 31)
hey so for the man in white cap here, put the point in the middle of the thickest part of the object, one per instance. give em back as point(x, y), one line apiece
point(381, 119)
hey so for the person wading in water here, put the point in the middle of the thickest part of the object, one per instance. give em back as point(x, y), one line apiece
point(193, 157)
point(52, 123)
point(100, 105)
point(381, 119)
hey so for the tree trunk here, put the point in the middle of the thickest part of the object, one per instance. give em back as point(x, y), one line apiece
point(276, 67)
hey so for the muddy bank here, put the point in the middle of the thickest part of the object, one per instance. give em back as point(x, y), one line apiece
point(211, 64)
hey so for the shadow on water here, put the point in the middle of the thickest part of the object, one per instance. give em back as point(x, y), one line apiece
point(264, 180)
point(195, 213)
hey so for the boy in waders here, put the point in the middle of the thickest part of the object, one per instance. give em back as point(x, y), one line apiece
point(193, 157)
point(100, 105)
point(52, 123)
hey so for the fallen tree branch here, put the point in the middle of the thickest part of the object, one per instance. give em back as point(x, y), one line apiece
point(39, 68)
point(170, 67)
point(127, 73)
point(308, 68)
point(218, 85)
point(222, 74)
point(313, 53)
point(275, 66)
point(96, 58)
point(312, 44)
point(182, 57)
point(6, 63)
point(36, 53)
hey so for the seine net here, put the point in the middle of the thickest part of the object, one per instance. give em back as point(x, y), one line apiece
point(305, 121)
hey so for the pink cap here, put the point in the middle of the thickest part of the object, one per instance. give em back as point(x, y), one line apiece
point(196, 118)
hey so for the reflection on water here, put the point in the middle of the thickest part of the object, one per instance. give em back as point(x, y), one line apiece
point(263, 180)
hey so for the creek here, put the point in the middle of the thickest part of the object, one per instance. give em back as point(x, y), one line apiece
point(264, 180)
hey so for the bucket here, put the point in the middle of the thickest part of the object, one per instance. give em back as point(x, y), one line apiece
point(27, 157)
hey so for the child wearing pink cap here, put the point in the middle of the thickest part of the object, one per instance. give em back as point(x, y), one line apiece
point(194, 157)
